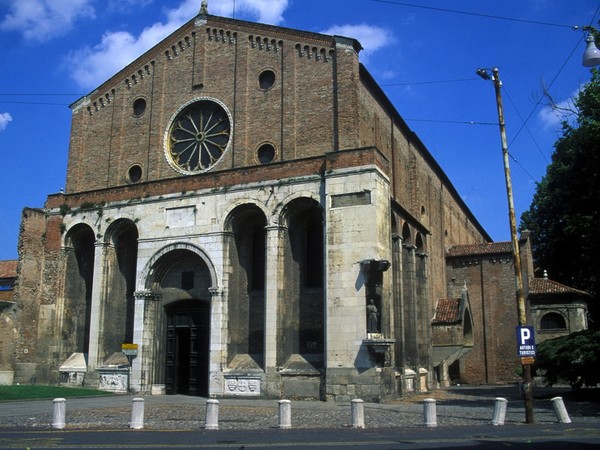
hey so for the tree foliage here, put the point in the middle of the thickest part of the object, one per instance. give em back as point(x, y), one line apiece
point(574, 359)
point(564, 214)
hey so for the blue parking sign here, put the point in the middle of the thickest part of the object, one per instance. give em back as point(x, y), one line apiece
point(525, 341)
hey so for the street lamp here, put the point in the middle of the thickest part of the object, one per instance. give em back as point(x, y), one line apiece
point(493, 74)
point(591, 56)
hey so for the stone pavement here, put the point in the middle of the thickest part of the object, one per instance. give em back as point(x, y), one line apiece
point(456, 406)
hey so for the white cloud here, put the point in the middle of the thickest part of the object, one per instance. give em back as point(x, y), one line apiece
point(371, 37)
point(126, 5)
point(265, 11)
point(552, 116)
point(4, 119)
point(90, 66)
point(41, 20)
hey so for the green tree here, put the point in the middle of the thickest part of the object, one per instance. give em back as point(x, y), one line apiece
point(572, 359)
point(564, 214)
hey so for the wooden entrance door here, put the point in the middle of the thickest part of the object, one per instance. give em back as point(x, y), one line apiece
point(187, 351)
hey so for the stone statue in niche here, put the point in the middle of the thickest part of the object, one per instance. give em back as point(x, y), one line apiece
point(372, 317)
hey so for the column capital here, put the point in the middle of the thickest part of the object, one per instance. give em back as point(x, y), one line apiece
point(147, 295)
point(275, 227)
point(215, 292)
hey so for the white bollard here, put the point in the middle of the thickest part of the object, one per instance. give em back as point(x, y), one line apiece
point(212, 415)
point(429, 412)
point(58, 413)
point(137, 414)
point(559, 409)
point(499, 411)
point(358, 413)
point(285, 414)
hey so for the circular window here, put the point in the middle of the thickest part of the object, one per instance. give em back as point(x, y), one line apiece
point(266, 80)
point(199, 134)
point(266, 153)
point(134, 174)
point(139, 107)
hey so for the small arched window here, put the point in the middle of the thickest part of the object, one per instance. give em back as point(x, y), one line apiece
point(553, 321)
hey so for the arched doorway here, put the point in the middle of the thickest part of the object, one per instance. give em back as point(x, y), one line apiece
point(179, 325)
point(187, 347)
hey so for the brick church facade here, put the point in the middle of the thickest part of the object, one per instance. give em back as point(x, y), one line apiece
point(247, 212)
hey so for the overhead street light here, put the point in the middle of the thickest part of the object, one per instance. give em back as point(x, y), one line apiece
point(591, 56)
point(494, 75)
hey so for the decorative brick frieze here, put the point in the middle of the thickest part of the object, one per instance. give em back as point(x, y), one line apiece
point(264, 43)
point(314, 53)
point(101, 102)
point(178, 48)
point(220, 35)
point(140, 75)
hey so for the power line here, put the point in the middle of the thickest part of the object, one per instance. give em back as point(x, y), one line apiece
point(469, 13)
point(553, 79)
point(526, 127)
point(2, 102)
point(429, 82)
point(469, 122)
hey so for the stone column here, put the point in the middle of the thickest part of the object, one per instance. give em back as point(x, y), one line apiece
point(274, 272)
point(424, 312)
point(398, 299)
point(146, 312)
point(218, 340)
point(411, 309)
point(96, 313)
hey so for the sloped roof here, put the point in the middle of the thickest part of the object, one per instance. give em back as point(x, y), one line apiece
point(544, 286)
point(487, 248)
point(447, 311)
point(8, 268)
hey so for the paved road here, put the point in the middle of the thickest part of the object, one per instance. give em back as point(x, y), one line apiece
point(542, 437)
point(463, 417)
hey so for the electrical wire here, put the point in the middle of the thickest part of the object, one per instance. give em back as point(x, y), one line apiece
point(467, 122)
point(468, 13)
point(414, 83)
point(525, 125)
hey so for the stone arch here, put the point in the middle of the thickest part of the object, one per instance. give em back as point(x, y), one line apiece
point(406, 234)
point(394, 224)
point(153, 271)
point(281, 213)
point(553, 321)
point(182, 279)
point(420, 243)
point(118, 303)
point(243, 203)
point(467, 321)
point(301, 324)
point(79, 253)
point(246, 249)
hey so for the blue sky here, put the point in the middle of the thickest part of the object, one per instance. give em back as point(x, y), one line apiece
point(423, 53)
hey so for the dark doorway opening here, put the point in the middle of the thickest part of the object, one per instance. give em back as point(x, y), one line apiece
point(187, 355)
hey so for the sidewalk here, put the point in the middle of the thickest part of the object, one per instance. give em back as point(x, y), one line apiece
point(456, 406)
